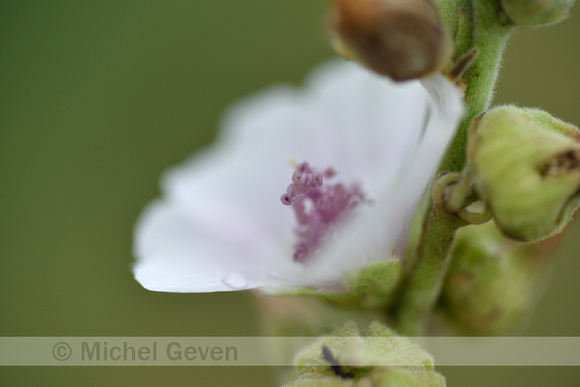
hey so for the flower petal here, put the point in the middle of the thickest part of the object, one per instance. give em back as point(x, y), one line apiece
point(178, 256)
point(373, 233)
point(366, 124)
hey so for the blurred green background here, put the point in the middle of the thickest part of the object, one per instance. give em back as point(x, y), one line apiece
point(97, 99)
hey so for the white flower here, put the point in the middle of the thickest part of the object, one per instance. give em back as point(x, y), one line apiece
point(220, 225)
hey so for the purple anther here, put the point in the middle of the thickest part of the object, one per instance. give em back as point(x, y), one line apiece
point(318, 208)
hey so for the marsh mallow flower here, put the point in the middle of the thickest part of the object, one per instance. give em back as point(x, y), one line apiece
point(365, 150)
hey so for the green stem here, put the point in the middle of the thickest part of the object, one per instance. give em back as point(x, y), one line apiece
point(490, 36)
point(427, 279)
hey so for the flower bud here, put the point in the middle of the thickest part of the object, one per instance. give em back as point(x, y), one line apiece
point(536, 12)
point(299, 317)
point(371, 287)
point(378, 359)
point(402, 39)
point(526, 167)
point(493, 282)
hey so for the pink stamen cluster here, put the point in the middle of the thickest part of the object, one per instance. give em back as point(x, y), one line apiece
point(318, 208)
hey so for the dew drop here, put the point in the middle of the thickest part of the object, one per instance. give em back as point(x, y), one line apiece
point(235, 281)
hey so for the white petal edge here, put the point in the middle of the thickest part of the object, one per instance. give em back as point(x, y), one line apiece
point(165, 241)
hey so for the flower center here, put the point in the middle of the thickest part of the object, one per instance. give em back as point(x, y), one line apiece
point(318, 207)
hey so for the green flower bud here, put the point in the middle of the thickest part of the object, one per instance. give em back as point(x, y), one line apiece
point(371, 287)
point(299, 317)
point(375, 285)
point(347, 359)
point(493, 282)
point(525, 165)
point(536, 12)
point(402, 39)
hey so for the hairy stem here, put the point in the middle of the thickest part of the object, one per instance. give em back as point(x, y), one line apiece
point(489, 36)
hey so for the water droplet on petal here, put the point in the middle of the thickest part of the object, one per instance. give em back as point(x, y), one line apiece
point(235, 281)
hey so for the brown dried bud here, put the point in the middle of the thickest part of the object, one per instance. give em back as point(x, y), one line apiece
point(403, 39)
